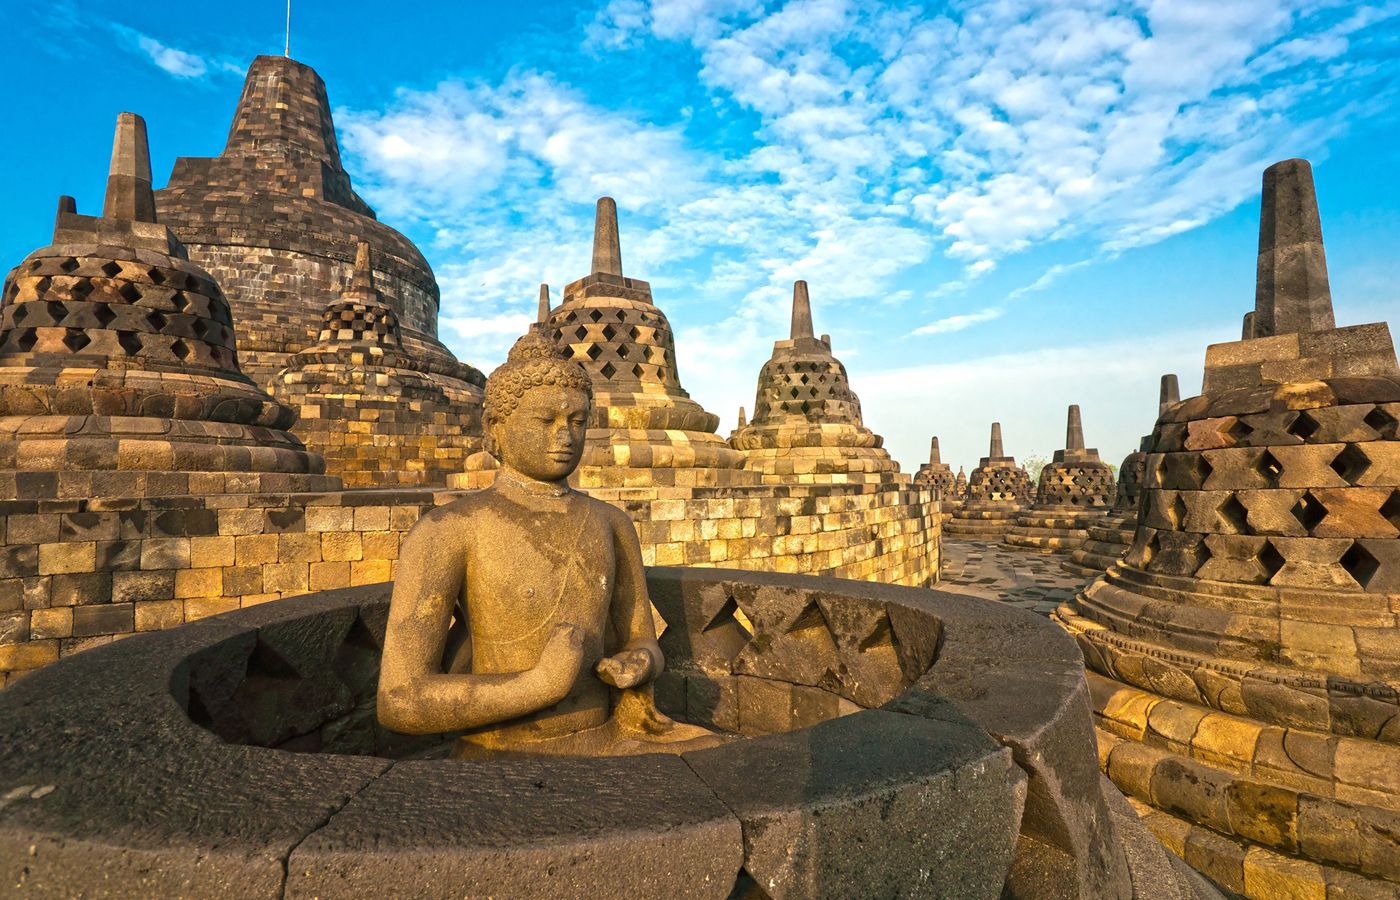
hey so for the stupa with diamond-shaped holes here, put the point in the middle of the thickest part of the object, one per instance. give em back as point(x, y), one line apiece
point(997, 491)
point(938, 476)
point(1111, 536)
point(1076, 488)
point(645, 428)
point(379, 415)
point(119, 374)
point(1245, 654)
point(806, 426)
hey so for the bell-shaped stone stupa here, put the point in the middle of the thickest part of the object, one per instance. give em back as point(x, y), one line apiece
point(1076, 487)
point(645, 430)
point(997, 491)
point(1246, 651)
point(807, 426)
point(1111, 536)
point(937, 476)
point(379, 415)
point(118, 364)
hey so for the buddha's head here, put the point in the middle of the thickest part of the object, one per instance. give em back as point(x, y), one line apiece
point(537, 406)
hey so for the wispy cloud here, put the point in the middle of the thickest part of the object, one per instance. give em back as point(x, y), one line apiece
point(882, 145)
point(1002, 125)
point(950, 324)
point(171, 60)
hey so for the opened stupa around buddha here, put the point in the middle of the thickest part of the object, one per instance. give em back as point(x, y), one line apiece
point(1245, 664)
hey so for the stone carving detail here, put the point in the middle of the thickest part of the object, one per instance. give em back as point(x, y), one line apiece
point(1254, 615)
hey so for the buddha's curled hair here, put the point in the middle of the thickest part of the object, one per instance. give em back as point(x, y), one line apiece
point(534, 361)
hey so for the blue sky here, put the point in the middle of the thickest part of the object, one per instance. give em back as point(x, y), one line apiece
point(1001, 207)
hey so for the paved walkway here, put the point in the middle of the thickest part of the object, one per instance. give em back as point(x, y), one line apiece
point(997, 571)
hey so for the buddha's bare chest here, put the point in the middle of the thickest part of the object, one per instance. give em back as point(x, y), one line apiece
point(527, 572)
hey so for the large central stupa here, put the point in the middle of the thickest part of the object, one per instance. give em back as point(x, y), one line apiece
point(275, 219)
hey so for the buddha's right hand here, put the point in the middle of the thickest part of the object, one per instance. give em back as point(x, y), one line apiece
point(559, 662)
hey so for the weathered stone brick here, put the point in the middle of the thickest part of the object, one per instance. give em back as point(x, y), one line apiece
point(110, 618)
point(78, 556)
point(157, 615)
point(341, 545)
point(51, 623)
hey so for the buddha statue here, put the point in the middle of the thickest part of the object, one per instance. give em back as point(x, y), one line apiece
point(520, 612)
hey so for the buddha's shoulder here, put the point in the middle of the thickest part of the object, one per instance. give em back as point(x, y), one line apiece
point(606, 511)
point(455, 517)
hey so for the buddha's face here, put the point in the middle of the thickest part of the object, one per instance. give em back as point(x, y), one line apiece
point(543, 438)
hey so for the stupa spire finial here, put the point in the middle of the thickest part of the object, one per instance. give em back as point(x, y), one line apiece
point(743, 418)
point(933, 455)
point(801, 311)
point(607, 245)
point(1074, 429)
point(362, 279)
point(1291, 292)
point(995, 450)
point(1170, 394)
point(129, 194)
point(542, 313)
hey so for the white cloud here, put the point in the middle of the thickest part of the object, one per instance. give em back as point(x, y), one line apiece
point(1115, 383)
point(950, 324)
point(883, 138)
point(173, 61)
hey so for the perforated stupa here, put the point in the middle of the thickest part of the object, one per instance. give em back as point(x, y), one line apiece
point(997, 491)
point(378, 414)
point(1246, 664)
point(119, 366)
point(807, 425)
point(1076, 487)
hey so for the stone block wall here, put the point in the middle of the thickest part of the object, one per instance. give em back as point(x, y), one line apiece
point(882, 533)
point(79, 573)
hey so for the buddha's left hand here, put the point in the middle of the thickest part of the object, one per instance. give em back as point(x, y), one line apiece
point(627, 669)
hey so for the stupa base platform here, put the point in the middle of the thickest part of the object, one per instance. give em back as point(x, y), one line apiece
point(1052, 530)
point(1107, 543)
point(982, 524)
point(1244, 802)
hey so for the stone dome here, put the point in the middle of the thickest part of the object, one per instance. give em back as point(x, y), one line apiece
point(276, 220)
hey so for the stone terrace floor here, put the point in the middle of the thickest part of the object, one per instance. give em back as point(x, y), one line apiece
point(996, 571)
